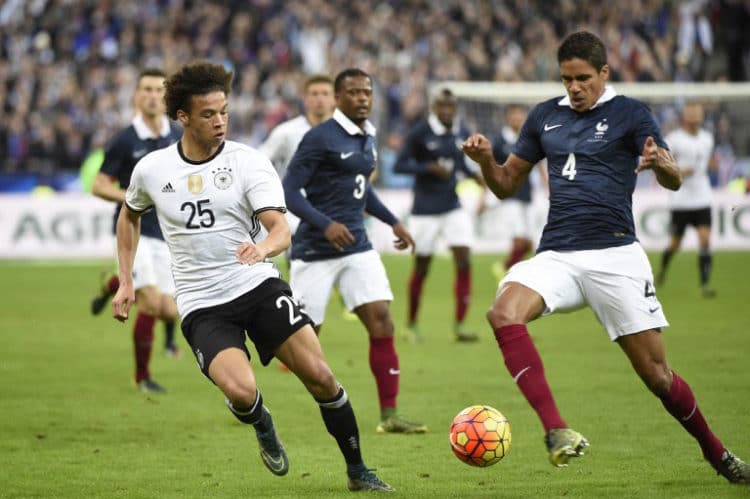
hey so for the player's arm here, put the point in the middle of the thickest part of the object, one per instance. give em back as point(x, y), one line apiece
point(662, 163)
point(375, 207)
point(301, 169)
point(279, 238)
point(128, 232)
point(406, 162)
point(105, 183)
point(503, 180)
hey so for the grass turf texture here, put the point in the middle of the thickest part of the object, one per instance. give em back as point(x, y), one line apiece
point(73, 424)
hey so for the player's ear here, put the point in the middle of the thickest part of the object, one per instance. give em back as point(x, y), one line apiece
point(605, 72)
point(183, 117)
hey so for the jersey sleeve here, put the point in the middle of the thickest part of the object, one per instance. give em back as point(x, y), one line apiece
point(529, 146)
point(136, 196)
point(498, 149)
point(644, 126)
point(375, 207)
point(273, 147)
point(406, 162)
point(113, 154)
point(302, 167)
point(264, 191)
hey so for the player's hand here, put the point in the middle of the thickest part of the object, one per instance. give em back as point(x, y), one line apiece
point(403, 238)
point(479, 148)
point(249, 253)
point(439, 170)
point(123, 300)
point(655, 157)
point(338, 235)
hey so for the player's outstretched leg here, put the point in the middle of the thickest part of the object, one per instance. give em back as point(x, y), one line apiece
point(563, 444)
point(341, 423)
point(271, 449)
point(733, 468)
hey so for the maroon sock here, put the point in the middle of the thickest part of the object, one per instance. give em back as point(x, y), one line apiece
point(516, 255)
point(415, 295)
point(384, 366)
point(681, 404)
point(113, 284)
point(143, 339)
point(525, 365)
point(462, 289)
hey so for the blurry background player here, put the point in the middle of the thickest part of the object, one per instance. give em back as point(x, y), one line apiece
point(514, 212)
point(149, 131)
point(432, 152)
point(333, 164)
point(692, 147)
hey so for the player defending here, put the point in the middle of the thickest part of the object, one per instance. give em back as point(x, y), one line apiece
point(432, 152)
point(149, 131)
point(692, 147)
point(333, 164)
point(212, 197)
point(589, 254)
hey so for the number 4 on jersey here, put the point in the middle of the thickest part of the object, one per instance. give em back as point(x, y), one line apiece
point(569, 169)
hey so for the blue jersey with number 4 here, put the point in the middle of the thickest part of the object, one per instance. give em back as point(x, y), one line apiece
point(591, 159)
point(333, 166)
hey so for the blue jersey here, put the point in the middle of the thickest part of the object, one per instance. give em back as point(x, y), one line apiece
point(430, 142)
point(125, 150)
point(501, 149)
point(591, 160)
point(333, 164)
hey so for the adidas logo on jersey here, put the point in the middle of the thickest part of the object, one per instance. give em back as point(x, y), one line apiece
point(167, 188)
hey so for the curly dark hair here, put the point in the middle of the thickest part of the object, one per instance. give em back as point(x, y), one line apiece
point(197, 78)
point(348, 73)
point(583, 45)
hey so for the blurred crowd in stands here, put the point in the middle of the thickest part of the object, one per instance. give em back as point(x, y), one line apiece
point(68, 67)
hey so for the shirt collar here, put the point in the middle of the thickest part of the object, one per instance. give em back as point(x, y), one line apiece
point(609, 94)
point(144, 132)
point(438, 128)
point(350, 127)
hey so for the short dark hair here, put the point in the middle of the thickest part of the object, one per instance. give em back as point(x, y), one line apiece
point(317, 78)
point(444, 95)
point(583, 45)
point(198, 78)
point(151, 72)
point(348, 73)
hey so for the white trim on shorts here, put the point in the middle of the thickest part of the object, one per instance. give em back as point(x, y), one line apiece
point(359, 277)
point(617, 283)
point(455, 227)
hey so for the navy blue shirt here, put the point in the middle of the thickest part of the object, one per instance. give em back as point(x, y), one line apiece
point(591, 160)
point(501, 149)
point(430, 142)
point(122, 154)
point(333, 164)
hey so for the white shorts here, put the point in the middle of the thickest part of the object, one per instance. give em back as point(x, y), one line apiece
point(152, 265)
point(617, 283)
point(455, 227)
point(360, 278)
point(516, 218)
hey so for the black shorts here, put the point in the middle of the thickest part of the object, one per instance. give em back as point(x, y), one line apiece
point(268, 315)
point(682, 218)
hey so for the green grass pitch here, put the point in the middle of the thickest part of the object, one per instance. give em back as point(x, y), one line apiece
point(72, 424)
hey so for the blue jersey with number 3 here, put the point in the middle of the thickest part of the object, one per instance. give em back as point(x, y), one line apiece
point(333, 167)
point(591, 159)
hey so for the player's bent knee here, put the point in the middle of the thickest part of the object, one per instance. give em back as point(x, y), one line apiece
point(321, 383)
point(658, 379)
point(499, 316)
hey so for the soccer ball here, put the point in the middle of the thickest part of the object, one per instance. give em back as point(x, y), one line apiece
point(480, 435)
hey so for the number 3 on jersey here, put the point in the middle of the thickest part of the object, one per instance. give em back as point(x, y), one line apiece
point(361, 182)
point(569, 168)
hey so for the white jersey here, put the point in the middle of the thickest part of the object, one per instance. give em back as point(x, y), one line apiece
point(692, 151)
point(206, 210)
point(283, 140)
